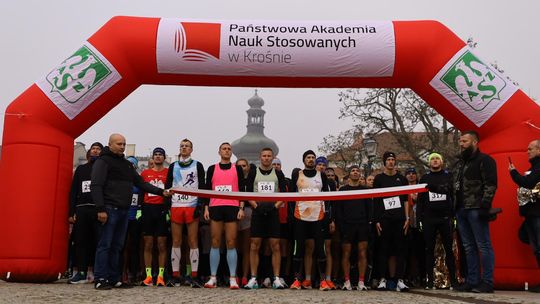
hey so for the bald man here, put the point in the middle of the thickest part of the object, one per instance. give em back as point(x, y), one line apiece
point(112, 181)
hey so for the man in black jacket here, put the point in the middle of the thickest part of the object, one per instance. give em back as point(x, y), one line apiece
point(530, 208)
point(82, 214)
point(475, 183)
point(435, 214)
point(113, 178)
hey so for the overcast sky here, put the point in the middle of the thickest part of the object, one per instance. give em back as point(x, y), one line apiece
point(37, 35)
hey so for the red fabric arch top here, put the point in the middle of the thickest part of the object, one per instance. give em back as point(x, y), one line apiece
point(130, 51)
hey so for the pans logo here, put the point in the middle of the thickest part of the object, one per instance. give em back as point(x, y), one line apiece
point(196, 41)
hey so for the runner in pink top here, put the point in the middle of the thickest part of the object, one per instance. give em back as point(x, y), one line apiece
point(223, 213)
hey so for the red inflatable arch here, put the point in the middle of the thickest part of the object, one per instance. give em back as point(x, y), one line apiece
point(130, 51)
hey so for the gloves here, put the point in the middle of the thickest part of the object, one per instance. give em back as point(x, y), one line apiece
point(420, 226)
point(168, 216)
point(138, 214)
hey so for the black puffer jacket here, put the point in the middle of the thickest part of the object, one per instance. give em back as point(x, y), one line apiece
point(113, 178)
point(475, 181)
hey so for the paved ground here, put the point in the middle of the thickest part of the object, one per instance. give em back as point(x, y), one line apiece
point(60, 292)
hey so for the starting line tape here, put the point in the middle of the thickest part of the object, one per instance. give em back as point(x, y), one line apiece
point(304, 196)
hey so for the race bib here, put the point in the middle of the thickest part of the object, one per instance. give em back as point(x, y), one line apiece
point(265, 187)
point(436, 197)
point(223, 188)
point(391, 203)
point(85, 187)
point(134, 199)
point(184, 198)
point(309, 190)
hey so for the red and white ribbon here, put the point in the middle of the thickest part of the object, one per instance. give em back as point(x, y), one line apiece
point(304, 196)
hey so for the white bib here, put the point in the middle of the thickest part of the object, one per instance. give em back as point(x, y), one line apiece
point(223, 188)
point(134, 199)
point(436, 197)
point(85, 186)
point(391, 203)
point(265, 187)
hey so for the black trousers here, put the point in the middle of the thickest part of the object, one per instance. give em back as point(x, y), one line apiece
point(85, 237)
point(432, 226)
point(392, 236)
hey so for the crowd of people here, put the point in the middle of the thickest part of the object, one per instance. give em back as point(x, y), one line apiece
point(128, 227)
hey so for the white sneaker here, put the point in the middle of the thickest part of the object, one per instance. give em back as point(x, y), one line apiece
point(267, 283)
point(361, 286)
point(382, 284)
point(347, 285)
point(252, 284)
point(233, 284)
point(401, 286)
point(211, 283)
point(282, 280)
point(277, 284)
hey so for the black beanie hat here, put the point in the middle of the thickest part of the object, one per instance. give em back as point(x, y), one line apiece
point(308, 152)
point(388, 154)
point(97, 143)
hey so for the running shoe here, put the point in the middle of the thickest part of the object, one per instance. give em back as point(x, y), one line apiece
point(429, 285)
point(102, 285)
point(347, 285)
point(122, 285)
point(174, 282)
point(401, 286)
point(361, 286)
point(282, 280)
point(331, 284)
point(90, 277)
point(252, 284)
point(296, 285)
point(324, 285)
point(78, 278)
point(211, 283)
point(382, 284)
point(306, 284)
point(277, 284)
point(195, 283)
point(149, 281)
point(160, 281)
point(244, 281)
point(267, 283)
point(233, 284)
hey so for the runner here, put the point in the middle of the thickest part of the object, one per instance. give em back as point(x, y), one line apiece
point(224, 213)
point(244, 225)
point(435, 214)
point(308, 221)
point(285, 230)
point(265, 220)
point(82, 214)
point(154, 219)
point(392, 221)
point(185, 209)
point(353, 217)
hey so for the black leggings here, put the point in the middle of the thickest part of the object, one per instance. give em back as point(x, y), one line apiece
point(444, 227)
point(85, 235)
point(304, 230)
point(392, 236)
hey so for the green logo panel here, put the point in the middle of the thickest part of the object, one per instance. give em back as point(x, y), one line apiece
point(78, 75)
point(473, 82)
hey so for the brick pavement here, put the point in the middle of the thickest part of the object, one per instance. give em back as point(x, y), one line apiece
point(60, 292)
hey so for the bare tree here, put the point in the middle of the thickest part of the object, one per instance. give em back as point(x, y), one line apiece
point(416, 127)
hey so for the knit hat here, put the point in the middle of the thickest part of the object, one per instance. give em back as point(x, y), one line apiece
point(159, 150)
point(308, 152)
point(276, 161)
point(434, 154)
point(321, 160)
point(410, 170)
point(97, 143)
point(388, 154)
point(133, 160)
